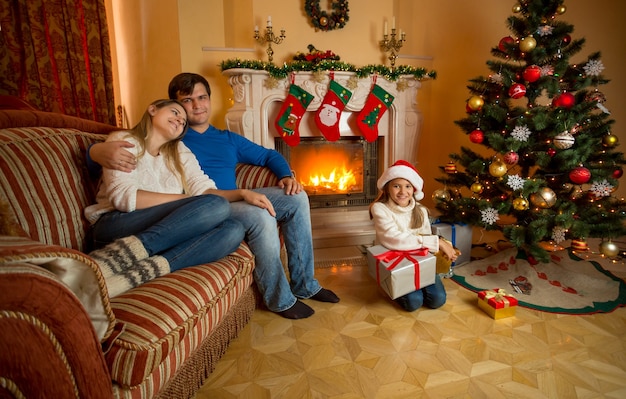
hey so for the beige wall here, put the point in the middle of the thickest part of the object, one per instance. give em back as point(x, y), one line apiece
point(453, 37)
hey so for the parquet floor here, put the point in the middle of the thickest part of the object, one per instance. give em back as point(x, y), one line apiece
point(367, 347)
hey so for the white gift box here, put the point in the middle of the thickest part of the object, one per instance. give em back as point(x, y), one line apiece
point(401, 272)
point(460, 235)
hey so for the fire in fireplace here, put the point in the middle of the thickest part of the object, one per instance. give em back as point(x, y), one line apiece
point(335, 174)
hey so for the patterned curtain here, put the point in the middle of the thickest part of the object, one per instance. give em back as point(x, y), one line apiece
point(55, 54)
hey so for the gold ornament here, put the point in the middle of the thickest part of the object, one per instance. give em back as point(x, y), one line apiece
point(517, 8)
point(544, 198)
point(609, 248)
point(561, 9)
point(497, 168)
point(527, 44)
point(563, 140)
point(441, 195)
point(476, 188)
point(475, 103)
point(323, 21)
point(610, 140)
point(520, 204)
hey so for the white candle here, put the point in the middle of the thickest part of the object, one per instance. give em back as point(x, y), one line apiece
point(269, 21)
point(256, 28)
point(393, 23)
point(385, 28)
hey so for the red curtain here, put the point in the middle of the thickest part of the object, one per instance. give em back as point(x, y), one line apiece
point(55, 54)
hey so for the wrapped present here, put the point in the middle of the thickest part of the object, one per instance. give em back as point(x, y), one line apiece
point(497, 303)
point(460, 235)
point(401, 272)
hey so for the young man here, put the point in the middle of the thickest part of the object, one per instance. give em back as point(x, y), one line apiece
point(218, 152)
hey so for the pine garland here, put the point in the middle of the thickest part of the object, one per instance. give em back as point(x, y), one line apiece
point(281, 72)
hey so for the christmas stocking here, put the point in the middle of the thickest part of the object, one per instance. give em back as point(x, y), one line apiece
point(291, 113)
point(327, 116)
point(375, 106)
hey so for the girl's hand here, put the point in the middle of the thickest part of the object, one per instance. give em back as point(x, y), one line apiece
point(448, 250)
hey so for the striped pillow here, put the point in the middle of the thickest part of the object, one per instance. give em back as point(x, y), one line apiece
point(46, 183)
point(251, 176)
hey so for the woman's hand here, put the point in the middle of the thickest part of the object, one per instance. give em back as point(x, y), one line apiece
point(258, 199)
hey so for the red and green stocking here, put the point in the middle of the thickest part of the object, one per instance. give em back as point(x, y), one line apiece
point(329, 113)
point(291, 113)
point(377, 103)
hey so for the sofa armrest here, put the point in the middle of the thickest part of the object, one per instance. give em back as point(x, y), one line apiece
point(252, 176)
point(48, 347)
point(78, 272)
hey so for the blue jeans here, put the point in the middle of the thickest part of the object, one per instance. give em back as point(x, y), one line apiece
point(432, 296)
point(294, 216)
point(187, 232)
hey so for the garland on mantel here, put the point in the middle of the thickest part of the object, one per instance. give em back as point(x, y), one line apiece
point(281, 72)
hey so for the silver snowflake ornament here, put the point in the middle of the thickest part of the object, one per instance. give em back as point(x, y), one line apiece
point(516, 182)
point(489, 215)
point(547, 70)
point(521, 133)
point(601, 188)
point(558, 234)
point(594, 67)
point(545, 30)
point(496, 78)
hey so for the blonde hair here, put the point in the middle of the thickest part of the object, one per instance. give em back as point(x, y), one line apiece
point(417, 217)
point(168, 150)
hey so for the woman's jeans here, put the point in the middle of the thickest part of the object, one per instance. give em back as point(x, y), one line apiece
point(432, 296)
point(187, 232)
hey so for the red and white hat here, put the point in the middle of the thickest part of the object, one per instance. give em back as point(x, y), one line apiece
point(403, 170)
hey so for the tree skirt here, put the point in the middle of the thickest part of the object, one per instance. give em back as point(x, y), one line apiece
point(566, 284)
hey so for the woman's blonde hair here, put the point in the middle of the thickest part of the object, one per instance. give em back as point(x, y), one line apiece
point(168, 150)
point(417, 217)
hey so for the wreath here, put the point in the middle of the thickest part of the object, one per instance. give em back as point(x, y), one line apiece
point(322, 20)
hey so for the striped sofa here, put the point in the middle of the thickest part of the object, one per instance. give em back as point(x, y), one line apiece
point(61, 336)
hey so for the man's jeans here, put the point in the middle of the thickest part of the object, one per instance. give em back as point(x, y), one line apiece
point(187, 232)
point(294, 216)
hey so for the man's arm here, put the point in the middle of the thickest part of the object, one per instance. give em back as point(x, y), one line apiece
point(111, 155)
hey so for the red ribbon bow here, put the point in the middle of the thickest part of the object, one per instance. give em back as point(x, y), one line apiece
point(395, 257)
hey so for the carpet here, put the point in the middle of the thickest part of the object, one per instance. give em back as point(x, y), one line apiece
point(567, 284)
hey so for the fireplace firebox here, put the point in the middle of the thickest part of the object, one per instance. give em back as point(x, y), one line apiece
point(340, 173)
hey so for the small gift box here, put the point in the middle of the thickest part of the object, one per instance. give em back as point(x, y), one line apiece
point(460, 235)
point(401, 272)
point(497, 303)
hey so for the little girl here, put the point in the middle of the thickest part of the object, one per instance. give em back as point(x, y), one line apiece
point(402, 224)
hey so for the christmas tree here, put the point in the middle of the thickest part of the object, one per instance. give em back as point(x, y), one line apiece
point(547, 164)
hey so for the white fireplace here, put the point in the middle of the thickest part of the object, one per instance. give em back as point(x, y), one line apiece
point(257, 101)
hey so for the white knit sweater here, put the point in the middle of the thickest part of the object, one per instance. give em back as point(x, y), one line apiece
point(118, 190)
point(392, 223)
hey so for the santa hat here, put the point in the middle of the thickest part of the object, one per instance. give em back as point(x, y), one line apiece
point(403, 170)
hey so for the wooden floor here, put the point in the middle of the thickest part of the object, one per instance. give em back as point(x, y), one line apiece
point(367, 347)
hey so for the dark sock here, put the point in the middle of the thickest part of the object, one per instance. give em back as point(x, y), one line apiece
point(298, 310)
point(325, 295)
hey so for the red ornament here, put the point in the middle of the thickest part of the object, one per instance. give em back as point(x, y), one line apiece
point(511, 158)
point(532, 73)
point(617, 173)
point(450, 167)
point(517, 90)
point(565, 100)
point(579, 245)
point(567, 39)
point(551, 152)
point(476, 136)
point(504, 41)
point(580, 175)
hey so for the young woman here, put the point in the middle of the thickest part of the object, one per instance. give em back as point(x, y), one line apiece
point(164, 215)
point(402, 224)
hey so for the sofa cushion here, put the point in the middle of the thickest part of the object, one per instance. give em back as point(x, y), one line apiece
point(46, 183)
point(174, 312)
point(77, 271)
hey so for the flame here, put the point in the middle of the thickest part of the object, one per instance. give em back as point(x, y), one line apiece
point(337, 180)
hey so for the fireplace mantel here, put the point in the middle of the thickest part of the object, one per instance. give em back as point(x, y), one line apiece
point(257, 100)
